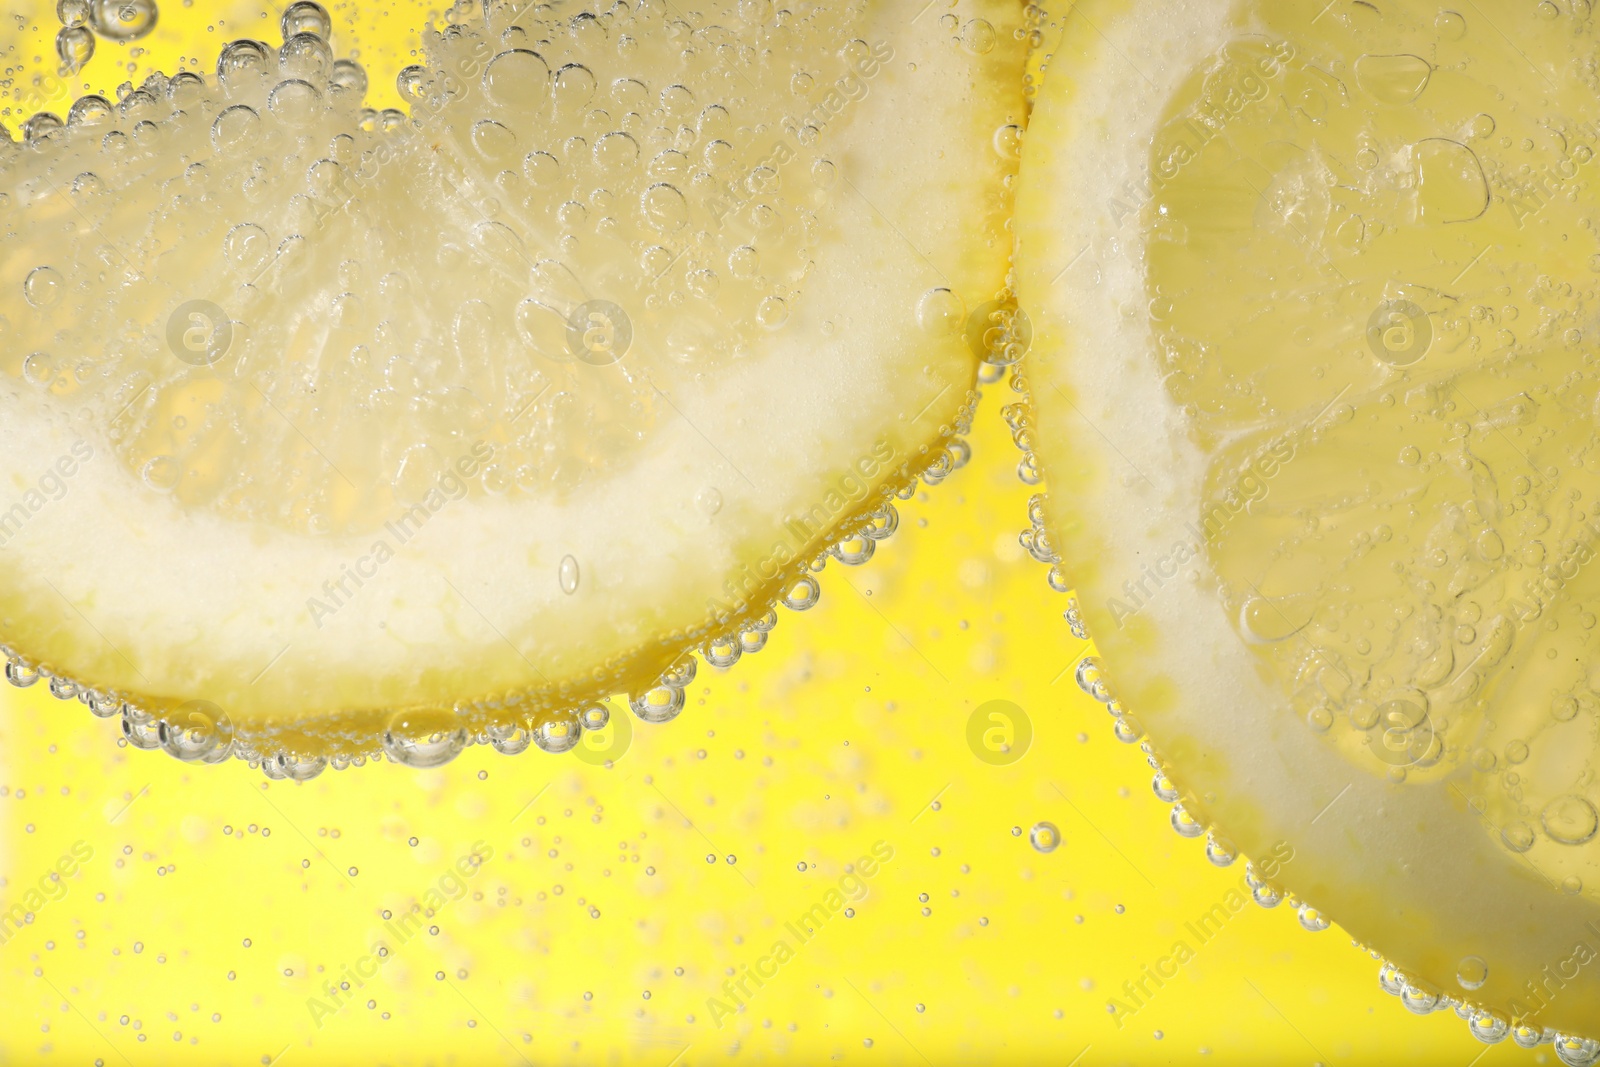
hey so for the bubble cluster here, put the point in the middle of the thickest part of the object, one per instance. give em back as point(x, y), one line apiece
point(83, 22)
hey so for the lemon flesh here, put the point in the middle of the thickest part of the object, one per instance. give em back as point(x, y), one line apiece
point(317, 413)
point(1313, 290)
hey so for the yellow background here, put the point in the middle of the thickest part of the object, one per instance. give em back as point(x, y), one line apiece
point(216, 904)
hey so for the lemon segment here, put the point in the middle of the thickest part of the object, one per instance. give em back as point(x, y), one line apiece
point(1313, 292)
point(315, 412)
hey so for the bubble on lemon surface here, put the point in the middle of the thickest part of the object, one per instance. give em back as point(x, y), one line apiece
point(424, 739)
point(1570, 820)
point(305, 16)
point(940, 311)
point(1472, 972)
point(559, 733)
point(569, 575)
point(43, 288)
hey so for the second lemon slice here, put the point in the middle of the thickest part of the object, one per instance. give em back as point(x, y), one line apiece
point(1313, 289)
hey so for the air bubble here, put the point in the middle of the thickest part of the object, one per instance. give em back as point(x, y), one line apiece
point(122, 20)
point(39, 128)
point(1184, 823)
point(1570, 820)
point(680, 674)
point(306, 56)
point(197, 731)
point(773, 312)
point(745, 262)
point(43, 287)
point(803, 594)
point(508, 739)
point(1044, 836)
point(1472, 972)
point(305, 16)
point(1220, 852)
point(541, 168)
point(348, 76)
point(940, 312)
point(295, 101)
point(140, 730)
point(616, 152)
point(293, 767)
point(412, 83)
point(559, 733)
point(89, 112)
point(664, 207)
point(74, 47)
point(1488, 1028)
point(518, 80)
point(978, 36)
point(162, 474)
point(722, 653)
point(247, 245)
point(658, 705)
point(39, 369)
point(242, 64)
point(1450, 25)
point(573, 87)
point(1517, 836)
point(424, 739)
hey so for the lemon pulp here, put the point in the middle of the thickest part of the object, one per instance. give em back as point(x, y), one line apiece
point(318, 413)
point(1313, 291)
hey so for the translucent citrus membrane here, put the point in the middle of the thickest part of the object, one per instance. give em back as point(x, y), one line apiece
point(329, 425)
point(1311, 292)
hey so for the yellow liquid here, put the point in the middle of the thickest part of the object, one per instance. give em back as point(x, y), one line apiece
point(208, 907)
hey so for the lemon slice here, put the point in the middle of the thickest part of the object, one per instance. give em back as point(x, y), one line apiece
point(1313, 291)
point(323, 424)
